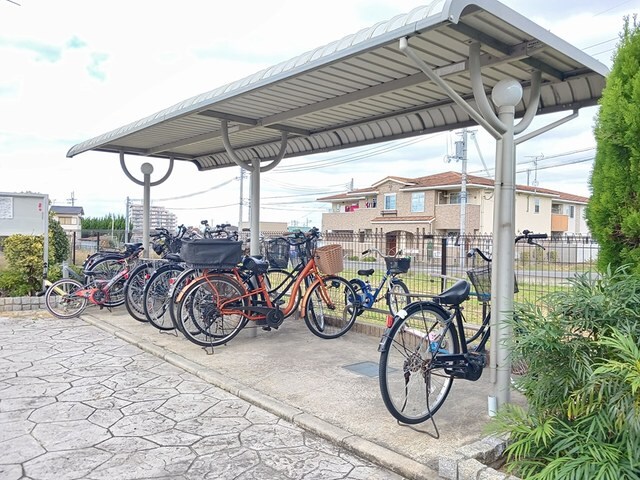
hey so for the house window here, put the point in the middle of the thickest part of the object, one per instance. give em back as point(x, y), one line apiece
point(417, 202)
point(455, 198)
point(536, 205)
point(64, 220)
point(556, 209)
point(571, 211)
point(389, 201)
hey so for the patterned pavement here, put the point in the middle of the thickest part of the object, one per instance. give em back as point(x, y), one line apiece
point(78, 403)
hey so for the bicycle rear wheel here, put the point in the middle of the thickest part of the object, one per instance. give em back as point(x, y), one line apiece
point(209, 310)
point(61, 300)
point(329, 312)
point(398, 296)
point(411, 389)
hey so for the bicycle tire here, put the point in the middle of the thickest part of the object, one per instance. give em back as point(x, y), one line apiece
point(61, 301)
point(134, 290)
point(201, 310)
point(328, 311)
point(407, 383)
point(398, 296)
point(156, 296)
point(106, 268)
point(277, 280)
point(186, 277)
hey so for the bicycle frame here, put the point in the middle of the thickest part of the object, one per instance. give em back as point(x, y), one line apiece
point(90, 292)
point(310, 270)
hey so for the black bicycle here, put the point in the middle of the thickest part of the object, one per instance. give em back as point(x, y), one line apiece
point(426, 348)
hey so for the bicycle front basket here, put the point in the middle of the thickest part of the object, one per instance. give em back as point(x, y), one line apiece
point(481, 280)
point(329, 259)
point(397, 265)
point(277, 252)
point(211, 253)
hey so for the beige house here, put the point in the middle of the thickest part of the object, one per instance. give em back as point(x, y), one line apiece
point(406, 207)
point(69, 217)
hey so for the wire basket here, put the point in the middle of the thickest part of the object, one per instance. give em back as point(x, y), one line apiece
point(306, 249)
point(397, 265)
point(480, 278)
point(329, 259)
point(277, 252)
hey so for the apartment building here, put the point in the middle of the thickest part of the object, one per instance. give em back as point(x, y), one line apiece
point(406, 209)
point(159, 217)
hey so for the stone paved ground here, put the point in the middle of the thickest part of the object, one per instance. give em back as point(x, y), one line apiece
point(78, 403)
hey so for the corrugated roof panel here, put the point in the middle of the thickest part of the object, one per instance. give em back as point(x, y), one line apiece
point(362, 89)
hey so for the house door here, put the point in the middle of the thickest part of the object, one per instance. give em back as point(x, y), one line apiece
point(392, 243)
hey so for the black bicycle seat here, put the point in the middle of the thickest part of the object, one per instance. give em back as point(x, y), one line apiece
point(366, 273)
point(454, 295)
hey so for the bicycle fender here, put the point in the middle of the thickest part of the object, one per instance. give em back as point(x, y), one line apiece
point(303, 302)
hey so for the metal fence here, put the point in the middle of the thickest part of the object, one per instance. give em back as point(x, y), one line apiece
point(436, 261)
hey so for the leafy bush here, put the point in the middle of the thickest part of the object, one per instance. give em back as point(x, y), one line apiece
point(583, 383)
point(55, 271)
point(24, 255)
point(13, 284)
point(369, 259)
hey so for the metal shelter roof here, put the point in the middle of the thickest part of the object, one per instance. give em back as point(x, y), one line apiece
point(362, 89)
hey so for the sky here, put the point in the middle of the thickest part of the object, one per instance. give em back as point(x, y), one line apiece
point(74, 69)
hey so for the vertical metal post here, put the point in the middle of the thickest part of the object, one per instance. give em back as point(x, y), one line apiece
point(255, 208)
point(241, 199)
point(506, 95)
point(126, 221)
point(443, 264)
point(147, 170)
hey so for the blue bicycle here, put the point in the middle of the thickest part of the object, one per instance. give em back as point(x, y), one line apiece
point(397, 293)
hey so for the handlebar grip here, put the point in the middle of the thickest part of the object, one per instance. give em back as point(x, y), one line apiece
point(365, 252)
point(538, 235)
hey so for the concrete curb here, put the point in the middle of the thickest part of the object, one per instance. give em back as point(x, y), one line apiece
point(377, 454)
point(473, 461)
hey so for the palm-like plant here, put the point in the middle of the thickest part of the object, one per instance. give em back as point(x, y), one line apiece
point(582, 385)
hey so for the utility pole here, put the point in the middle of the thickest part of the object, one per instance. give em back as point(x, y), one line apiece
point(72, 200)
point(461, 156)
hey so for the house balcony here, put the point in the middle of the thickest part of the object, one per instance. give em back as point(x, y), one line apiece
point(559, 223)
point(353, 220)
point(448, 217)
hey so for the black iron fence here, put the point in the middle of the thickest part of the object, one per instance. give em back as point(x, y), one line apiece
point(436, 262)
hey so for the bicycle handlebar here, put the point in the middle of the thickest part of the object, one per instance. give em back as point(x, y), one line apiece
point(526, 235)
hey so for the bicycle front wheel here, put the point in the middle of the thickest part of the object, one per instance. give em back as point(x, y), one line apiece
point(134, 290)
point(398, 296)
point(329, 311)
point(209, 310)
point(61, 299)
point(412, 390)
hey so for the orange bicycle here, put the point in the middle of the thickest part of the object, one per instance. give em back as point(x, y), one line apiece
point(216, 305)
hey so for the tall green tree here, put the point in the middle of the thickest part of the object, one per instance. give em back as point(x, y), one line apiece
point(613, 213)
point(104, 223)
point(58, 240)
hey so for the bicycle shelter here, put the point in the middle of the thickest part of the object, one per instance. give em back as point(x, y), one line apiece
point(418, 73)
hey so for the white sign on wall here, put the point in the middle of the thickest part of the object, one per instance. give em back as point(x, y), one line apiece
point(6, 207)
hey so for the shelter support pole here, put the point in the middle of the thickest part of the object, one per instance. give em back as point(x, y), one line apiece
point(506, 95)
point(146, 183)
point(255, 208)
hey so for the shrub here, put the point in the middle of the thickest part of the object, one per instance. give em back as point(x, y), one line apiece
point(58, 241)
point(582, 385)
point(13, 284)
point(369, 259)
point(24, 256)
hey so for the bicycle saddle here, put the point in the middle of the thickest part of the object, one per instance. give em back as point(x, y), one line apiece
point(454, 295)
point(366, 273)
point(255, 265)
point(174, 257)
